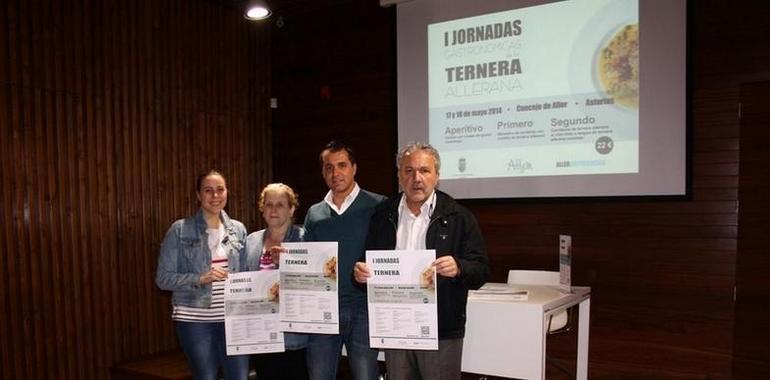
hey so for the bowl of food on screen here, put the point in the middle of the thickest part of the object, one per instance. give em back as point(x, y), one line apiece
point(617, 66)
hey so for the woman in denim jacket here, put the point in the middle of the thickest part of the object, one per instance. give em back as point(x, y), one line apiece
point(277, 202)
point(195, 257)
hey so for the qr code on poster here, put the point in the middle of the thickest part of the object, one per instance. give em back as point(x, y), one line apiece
point(327, 315)
point(425, 330)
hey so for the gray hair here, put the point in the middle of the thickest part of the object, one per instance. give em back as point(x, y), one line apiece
point(414, 146)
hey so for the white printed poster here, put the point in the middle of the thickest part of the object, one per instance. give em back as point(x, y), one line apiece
point(309, 288)
point(251, 313)
point(402, 304)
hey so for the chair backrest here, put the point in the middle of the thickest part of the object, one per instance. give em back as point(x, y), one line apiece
point(533, 277)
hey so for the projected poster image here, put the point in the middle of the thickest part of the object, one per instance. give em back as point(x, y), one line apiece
point(540, 91)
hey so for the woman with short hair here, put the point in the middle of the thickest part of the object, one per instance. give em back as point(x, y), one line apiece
point(277, 202)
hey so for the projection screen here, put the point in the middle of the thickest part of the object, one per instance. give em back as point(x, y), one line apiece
point(577, 98)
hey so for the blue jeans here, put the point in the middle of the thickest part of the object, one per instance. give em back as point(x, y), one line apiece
point(204, 346)
point(323, 351)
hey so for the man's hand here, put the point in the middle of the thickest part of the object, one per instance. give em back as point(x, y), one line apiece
point(447, 266)
point(361, 272)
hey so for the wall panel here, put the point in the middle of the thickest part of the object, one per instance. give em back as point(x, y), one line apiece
point(108, 111)
point(752, 358)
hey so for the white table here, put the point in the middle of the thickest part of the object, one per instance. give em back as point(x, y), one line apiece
point(507, 338)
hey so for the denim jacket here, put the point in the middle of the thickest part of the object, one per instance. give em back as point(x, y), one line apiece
point(185, 256)
point(254, 247)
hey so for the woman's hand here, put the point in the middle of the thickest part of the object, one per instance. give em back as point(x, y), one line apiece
point(275, 253)
point(214, 274)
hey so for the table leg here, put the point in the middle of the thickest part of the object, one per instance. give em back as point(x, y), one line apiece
point(583, 329)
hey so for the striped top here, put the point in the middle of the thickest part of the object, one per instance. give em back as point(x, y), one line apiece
point(215, 312)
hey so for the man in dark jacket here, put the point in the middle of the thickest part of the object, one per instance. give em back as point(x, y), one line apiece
point(424, 218)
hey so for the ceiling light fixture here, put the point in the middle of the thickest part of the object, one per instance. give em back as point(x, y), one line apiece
point(256, 10)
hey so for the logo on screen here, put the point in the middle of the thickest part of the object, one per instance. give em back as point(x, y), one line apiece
point(461, 165)
point(518, 165)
